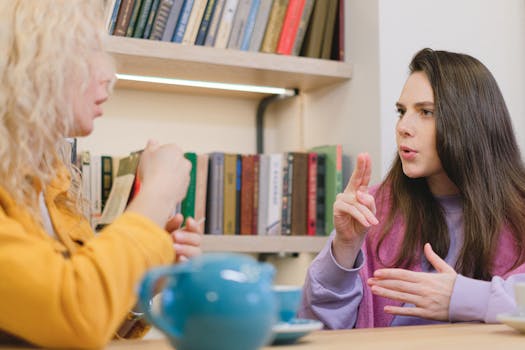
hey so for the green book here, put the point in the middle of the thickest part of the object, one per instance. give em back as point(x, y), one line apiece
point(142, 19)
point(333, 179)
point(133, 19)
point(188, 203)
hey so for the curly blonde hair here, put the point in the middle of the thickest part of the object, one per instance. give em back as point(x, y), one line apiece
point(48, 45)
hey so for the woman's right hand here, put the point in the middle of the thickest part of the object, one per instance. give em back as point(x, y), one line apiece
point(354, 212)
point(164, 174)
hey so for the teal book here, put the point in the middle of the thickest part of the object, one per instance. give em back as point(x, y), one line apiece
point(142, 20)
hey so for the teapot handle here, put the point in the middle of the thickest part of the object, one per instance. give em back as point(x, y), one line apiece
point(146, 293)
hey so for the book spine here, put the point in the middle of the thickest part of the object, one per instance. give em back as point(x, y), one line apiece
point(215, 196)
point(291, 22)
point(247, 189)
point(133, 19)
point(238, 183)
point(286, 221)
point(250, 25)
point(255, 216)
point(275, 23)
point(124, 16)
point(188, 203)
point(264, 193)
point(239, 24)
point(183, 21)
point(214, 24)
point(314, 33)
point(225, 25)
point(171, 23)
point(260, 25)
point(201, 188)
point(328, 35)
point(275, 189)
point(161, 19)
point(111, 15)
point(151, 19)
point(299, 193)
point(107, 178)
point(303, 25)
point(230, 174)
point(321, 195)
point(142, 19)
point(194, 22)
point(205, 23)
point(311, 194)
point(341, 28)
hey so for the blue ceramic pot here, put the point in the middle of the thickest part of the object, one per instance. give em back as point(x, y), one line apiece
point(212, 302)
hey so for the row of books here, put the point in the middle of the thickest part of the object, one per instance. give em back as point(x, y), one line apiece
point(288, 193)
point(312, 28)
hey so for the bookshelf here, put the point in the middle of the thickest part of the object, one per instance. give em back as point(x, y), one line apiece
point(170, 60)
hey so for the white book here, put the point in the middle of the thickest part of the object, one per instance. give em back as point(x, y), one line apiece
point(264, 193)
point(225, 26)
point(214, 23)
point(239, 24)
point(194, 22)
point(275, 189)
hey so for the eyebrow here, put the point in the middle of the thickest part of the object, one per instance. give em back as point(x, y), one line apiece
point(418, 104)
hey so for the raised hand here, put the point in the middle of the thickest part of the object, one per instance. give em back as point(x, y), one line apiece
point(354, 212)
point(429, 292)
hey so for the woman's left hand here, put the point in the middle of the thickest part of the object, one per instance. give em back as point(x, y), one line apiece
point(429, 292)
point(186, 241)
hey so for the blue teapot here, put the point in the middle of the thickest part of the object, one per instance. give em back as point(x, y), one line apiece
point(214, 301)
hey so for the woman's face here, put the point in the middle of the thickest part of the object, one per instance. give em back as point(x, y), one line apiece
point(416, 131)
point(87, 105)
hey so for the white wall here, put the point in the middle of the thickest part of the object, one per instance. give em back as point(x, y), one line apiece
point(491, 30)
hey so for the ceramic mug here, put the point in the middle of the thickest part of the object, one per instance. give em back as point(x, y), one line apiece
point(213, 301)
point(288, 300)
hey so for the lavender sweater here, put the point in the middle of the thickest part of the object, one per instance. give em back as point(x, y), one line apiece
point(340, 298)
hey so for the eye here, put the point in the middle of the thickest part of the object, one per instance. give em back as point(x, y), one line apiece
point(427, 112)
point(400, 112)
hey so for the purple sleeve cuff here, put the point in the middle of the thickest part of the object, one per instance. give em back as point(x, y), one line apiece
point(469, 300)
point(333, 276)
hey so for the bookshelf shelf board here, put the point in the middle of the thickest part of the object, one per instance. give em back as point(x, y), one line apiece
point(263, 244)
point(171, 60)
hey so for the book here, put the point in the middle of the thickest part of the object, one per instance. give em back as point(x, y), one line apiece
point(286, 216)
point(250, 25)
point(194, 22)
point(273, 28)
point(201, 187)
point(107, 178)
point(311, 195)
point(134, 17)
point(85, 170)
point(247, 191)
point(182, 22)
point(142, 18)
point(303, 25)
point(171, 22)
point(96, 189)
point(291, 21)
point(215, 194)
point(205, 23)
point(151, 19)
point(255, 216)
point(315, 31)
point(263, 193)
point(239, 24)
point(338, 47)
point(225, 26)
point(328, 35)
point(161, 19)
point(299, 193)
point(333, 179)
point(124, 16)
point(230, 196)
point(261, 20)
point(121, 189)
point(214, 23)
point(188, 203)
point(112, 8)
point(238, 184)
point(320, 207)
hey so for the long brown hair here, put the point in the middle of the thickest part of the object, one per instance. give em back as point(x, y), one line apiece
point(478, 151)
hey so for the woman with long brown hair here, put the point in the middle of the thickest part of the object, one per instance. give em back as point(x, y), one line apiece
point(441, 239)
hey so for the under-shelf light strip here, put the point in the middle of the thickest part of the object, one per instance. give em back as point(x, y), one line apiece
point(209, 84)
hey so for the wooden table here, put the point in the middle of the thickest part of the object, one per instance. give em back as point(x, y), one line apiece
point(433, 337)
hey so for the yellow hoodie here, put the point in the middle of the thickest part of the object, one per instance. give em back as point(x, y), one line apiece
point(75, 291)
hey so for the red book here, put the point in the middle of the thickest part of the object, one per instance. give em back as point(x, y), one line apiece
point(255, 217)
point(311, 195)
point(291, 21)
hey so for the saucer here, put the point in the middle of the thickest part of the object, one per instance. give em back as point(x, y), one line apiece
point(513, 320)
point(289, 332)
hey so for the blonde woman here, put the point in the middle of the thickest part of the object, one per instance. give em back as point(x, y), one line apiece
point(62, 286)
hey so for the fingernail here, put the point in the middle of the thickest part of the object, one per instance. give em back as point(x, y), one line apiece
point(177, 247)
point(179, 235)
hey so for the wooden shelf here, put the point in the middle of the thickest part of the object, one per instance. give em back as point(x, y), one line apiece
point(171, 60)
point(263, 244)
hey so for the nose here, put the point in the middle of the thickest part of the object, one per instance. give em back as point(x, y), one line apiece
point(405, 125)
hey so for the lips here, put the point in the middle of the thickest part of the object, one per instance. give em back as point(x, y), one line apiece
point(407, 153)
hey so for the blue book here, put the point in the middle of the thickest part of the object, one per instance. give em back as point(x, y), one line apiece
point(151, 19)
point(114, 15)
point(172, 20)
point(180, 29)
point(250, 25)
point(205, 24)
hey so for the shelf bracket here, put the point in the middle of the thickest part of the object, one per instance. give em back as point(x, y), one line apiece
point(259, 117)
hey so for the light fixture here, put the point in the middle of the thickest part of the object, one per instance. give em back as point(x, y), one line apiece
point(209, 84)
